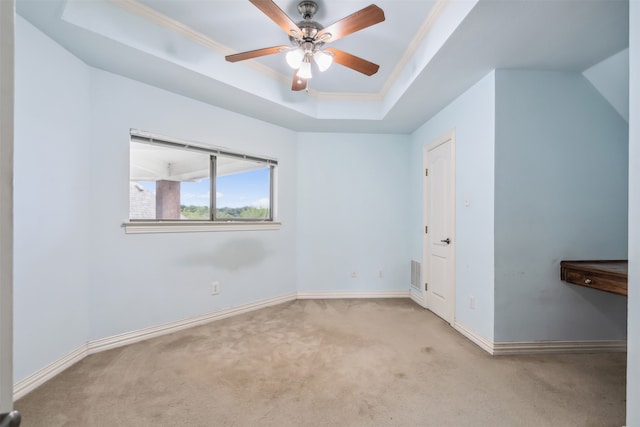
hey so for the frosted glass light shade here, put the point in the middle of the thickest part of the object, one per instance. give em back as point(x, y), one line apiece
point(323, 59)
point(294, 58)
point(305, 70)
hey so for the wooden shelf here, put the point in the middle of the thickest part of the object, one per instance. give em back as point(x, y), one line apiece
point(608, 276)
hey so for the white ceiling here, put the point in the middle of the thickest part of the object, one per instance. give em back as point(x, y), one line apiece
point(429, 52)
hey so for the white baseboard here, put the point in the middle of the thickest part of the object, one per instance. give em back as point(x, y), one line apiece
point(479, 340)
point(540, 347)
point(33, 381)
point(353, 294)
point(547, 347)
point(168, 328)
point(417, 297)
point(24, 386)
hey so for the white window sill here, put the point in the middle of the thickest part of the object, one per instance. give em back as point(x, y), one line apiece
point(142, 227)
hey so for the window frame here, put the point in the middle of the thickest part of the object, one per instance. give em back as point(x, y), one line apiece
point(135, 226)
point(214, 184)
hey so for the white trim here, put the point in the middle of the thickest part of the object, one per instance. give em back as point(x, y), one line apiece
point(353, 294)
point(160, 19)
point(176, 26)
point(545, 347)
point(188, 32)
point(479, 340)
point(540, 347)
point(198, 37)
point(30, 383)
point(24, 386)
point(168, 328)
point(142, 227)
point(418, 297)
point(425, 28)
point(7, 97)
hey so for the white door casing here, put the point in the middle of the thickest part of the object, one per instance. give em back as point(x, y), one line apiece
point(439, 219)
point(7, 19)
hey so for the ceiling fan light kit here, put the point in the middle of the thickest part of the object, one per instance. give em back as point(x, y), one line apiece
point(324, 59)
point(308, 38)
point(294, 58)
point(304, 72)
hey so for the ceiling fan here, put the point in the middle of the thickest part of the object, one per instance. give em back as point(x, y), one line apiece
point(309, 37)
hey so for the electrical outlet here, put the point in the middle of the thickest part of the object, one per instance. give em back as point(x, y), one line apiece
point(354, 274)
point(215, 288)
point(472, 302)
point(380, 274)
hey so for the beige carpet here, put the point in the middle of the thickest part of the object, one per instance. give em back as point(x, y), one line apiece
point(329, 363)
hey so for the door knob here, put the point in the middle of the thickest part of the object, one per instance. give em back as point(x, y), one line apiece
point(447, 240)
point(12, 419)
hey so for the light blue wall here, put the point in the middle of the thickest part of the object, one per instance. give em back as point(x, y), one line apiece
point(633, 340)
point(352, 193)
point(472, 117)
point(561, 193)
point(611, 78)
point(140, 281)
point(78, 277)
point(347, 202)
point(51, 204)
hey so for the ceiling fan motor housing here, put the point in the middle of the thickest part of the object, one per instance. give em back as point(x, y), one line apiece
point(307, 9)
point(309, 31)
point(308, 26)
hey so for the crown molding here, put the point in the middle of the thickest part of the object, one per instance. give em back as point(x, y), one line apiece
point(422, 33)
point(165, 21)
point(188, 32)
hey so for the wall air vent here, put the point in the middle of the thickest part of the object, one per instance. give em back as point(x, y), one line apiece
point(416, 273)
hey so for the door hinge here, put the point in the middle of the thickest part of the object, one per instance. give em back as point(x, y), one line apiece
point(426, 286)
point(426, 229)
point(426, 172)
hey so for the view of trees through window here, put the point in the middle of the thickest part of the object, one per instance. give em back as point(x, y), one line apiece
point(241, 195)
point(168, 183)
point(202, 212)
point(245, 194)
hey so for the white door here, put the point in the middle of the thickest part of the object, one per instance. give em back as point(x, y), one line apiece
point(439, 242)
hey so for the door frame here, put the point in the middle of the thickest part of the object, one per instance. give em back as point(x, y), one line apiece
point(449, 136)
point(7, 26)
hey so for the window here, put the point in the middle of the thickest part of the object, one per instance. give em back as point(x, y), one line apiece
point(171, 180)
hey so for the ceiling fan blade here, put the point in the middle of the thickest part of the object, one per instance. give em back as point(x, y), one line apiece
point(256, 53)
point(357, 21)
point(355, 63)
point(298, 82)
point(269, 8)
